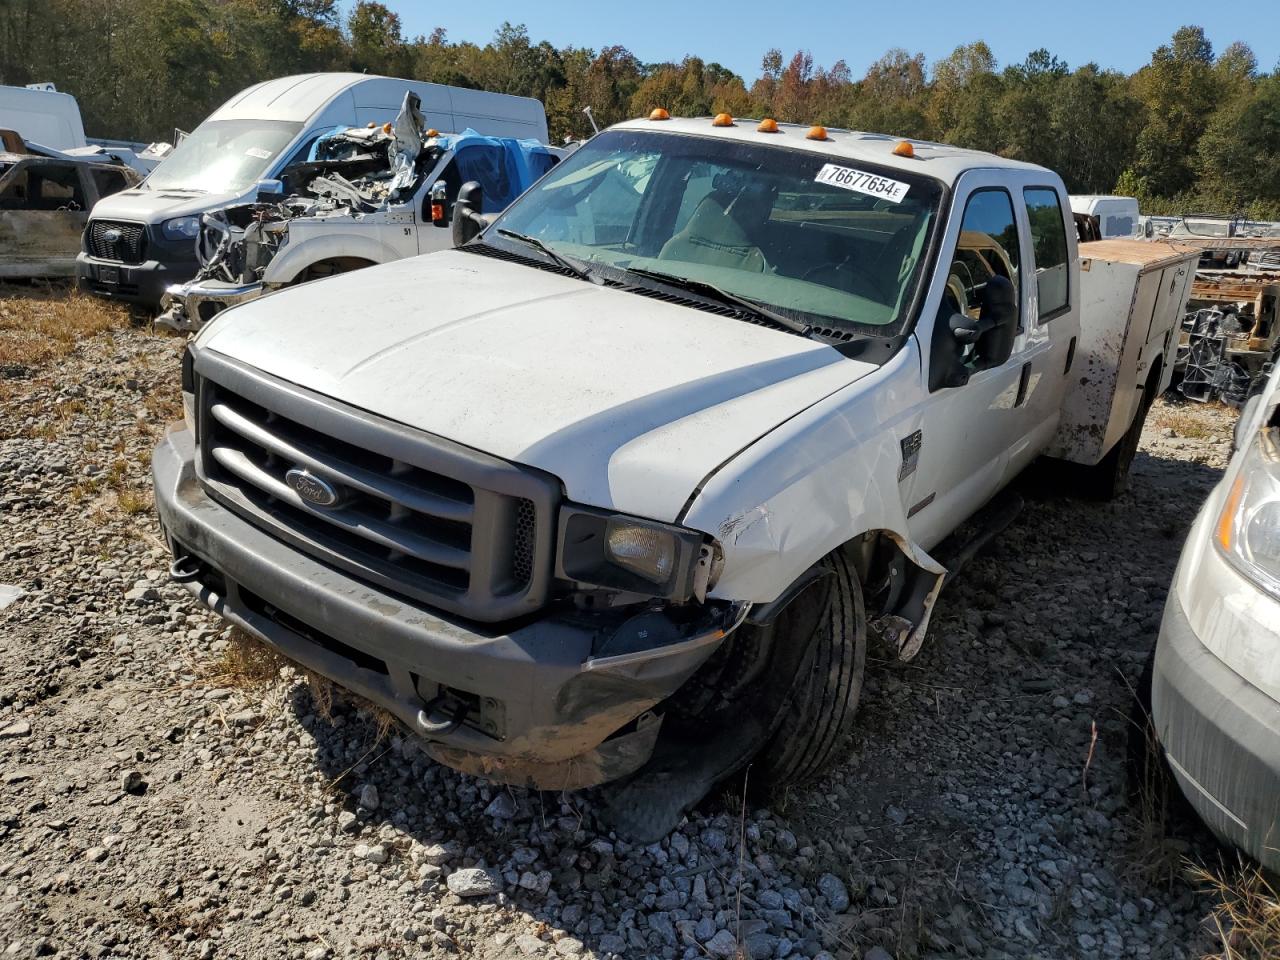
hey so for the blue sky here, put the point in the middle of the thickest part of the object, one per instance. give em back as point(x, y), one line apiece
point(1117, 33)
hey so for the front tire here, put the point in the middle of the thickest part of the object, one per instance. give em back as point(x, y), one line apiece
point(815, 724)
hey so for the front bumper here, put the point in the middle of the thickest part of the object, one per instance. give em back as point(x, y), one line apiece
point(189, 306)
point(546, 713)
point(1222, 737)
point(140, 283)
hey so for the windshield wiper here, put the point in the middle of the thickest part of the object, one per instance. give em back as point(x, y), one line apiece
point(576, 269)
point(724, 296)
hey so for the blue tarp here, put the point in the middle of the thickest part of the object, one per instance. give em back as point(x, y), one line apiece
point(503, 166)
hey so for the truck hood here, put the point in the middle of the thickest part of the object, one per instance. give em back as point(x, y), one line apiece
point(629, 400)
point(142, 205)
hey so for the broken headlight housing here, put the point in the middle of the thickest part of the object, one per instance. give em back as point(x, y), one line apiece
point(181, 228)
point(1248, 528)
point(617, 552)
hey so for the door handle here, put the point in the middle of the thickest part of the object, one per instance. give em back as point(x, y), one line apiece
point(1024, 381)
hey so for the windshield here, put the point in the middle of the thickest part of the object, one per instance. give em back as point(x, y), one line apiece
point(829, 241)
point(224, 156)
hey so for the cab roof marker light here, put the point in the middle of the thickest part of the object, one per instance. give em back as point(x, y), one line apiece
point(768, 125)
point(722, 120)
point(817, 133)
point(903, 148)
point(657, 113)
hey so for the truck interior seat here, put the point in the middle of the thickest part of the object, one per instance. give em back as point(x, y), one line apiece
point(718, 234)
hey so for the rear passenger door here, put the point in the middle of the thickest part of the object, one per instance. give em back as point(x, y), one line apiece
point(1053, 323)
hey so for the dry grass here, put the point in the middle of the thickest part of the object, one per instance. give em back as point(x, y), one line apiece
point(322, 694)
point(1182, 421)
point(133, 502)
point(37, 327)
point(246, 662)
point(1247, 915)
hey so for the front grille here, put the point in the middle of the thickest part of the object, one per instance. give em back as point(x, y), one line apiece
point(416, 514)
point(112, 240)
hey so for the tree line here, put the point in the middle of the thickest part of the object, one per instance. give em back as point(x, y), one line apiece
point(1190, 131)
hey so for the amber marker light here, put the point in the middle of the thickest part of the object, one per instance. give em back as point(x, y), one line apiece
point(768, 125)
point(904, 149)
point(816, 133)
point(1227, 519)
point(722, 120)
point(659, 114)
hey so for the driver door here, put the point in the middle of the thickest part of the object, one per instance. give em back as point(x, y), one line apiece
point(968, 431)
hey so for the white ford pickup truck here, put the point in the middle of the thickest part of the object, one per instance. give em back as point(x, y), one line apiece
point(615, 490)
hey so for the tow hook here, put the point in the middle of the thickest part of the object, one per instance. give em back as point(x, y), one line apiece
point(184, 568)
point(441, 728)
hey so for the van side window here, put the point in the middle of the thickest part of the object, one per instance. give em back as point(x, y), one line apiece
point(988, 247)
point(1049, 244)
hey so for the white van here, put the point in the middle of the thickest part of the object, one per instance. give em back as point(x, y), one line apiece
point(140, 241)
point(41, 115)
point(1117, 216)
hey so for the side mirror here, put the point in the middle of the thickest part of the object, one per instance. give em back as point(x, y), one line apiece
point(270, 191)
point(438, 201)
point(990, 336)
point(999, 321)
point(467, 222)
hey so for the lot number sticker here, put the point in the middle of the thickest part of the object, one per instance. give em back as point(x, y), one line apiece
point(847, 178)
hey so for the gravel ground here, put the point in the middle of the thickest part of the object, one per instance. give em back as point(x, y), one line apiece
point(157, 801)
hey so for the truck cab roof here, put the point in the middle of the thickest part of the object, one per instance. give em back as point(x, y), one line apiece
point(938, 160)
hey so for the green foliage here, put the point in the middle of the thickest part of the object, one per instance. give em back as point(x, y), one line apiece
point(1187, 132)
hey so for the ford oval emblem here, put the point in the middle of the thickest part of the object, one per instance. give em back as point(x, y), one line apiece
point(111, 235)
point(314, 490)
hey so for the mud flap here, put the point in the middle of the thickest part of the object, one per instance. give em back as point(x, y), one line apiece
point(703, 745)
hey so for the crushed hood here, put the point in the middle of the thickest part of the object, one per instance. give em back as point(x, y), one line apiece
point(630, 401)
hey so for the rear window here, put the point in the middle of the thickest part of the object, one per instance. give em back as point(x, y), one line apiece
point(1049, 244)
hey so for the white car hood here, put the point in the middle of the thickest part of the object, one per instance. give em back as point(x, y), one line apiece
point(143, 205)
point(630, 401)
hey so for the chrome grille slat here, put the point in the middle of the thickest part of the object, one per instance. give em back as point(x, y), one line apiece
point(423, 517)
point(384, 486)
point(384, 534)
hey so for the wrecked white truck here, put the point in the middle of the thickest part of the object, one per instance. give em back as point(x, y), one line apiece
point(614, 492)
point(366, 195)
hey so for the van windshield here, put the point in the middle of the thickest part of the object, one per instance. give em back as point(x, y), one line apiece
point(224, 156)
point(828, 241)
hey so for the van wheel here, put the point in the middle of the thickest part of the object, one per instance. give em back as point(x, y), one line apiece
point(815, 723)
point(1109, 478)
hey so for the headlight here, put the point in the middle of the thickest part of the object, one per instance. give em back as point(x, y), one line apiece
point(181, 228)
point(648, 551)
point(618, 552)
point(1248, 529)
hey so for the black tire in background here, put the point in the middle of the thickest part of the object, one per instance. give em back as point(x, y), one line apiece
point(1109, 478)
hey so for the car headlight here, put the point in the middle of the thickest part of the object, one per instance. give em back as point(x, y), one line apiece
point(1248, 529)
point(618, 552)
point(181, 228)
